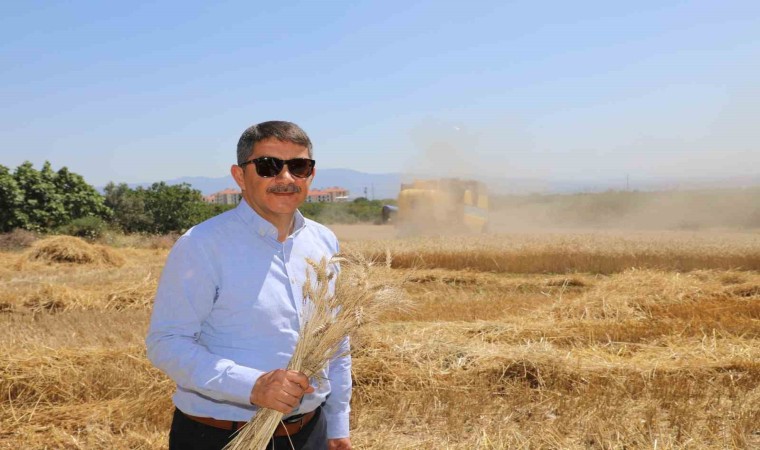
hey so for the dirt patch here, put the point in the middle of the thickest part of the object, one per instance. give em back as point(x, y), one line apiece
point(17, 239)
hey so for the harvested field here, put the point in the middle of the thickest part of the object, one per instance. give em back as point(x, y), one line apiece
point(606, 340)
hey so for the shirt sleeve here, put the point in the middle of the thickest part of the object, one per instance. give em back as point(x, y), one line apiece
point(338, 404)
point(186, 293)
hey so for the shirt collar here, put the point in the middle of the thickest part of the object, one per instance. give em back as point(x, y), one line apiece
point(263, 227)
point(299, 222)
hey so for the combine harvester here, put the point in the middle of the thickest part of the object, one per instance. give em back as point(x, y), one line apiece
point(447, 205)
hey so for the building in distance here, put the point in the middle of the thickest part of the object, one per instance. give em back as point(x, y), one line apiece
point(225, 197)
point(329, 195)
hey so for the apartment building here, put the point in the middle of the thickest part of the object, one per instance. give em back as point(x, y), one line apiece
point(331, 194)
point(225, 197)
point(233, 196)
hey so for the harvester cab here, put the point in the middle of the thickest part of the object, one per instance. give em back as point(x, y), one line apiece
point(443, 205)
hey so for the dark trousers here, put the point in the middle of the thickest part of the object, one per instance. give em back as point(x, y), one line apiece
point(187, 434)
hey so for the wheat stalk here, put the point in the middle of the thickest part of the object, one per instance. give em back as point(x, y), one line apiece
point(327, 319)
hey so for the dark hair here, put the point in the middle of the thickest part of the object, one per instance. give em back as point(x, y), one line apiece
point(284, 131)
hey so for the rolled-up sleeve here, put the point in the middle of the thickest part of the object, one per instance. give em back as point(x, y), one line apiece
point(185, 296)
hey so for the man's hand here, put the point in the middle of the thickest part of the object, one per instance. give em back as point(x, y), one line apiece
point(280, 390)
point(339, 444)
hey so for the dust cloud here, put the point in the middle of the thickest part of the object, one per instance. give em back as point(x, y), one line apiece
point(692, 166)
point(665, 210)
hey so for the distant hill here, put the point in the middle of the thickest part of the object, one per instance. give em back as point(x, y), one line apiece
point(386, 185)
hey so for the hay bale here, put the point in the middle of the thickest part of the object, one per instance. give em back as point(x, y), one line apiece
point(72, 250)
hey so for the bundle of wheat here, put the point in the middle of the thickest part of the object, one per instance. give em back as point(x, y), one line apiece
point(328, 318)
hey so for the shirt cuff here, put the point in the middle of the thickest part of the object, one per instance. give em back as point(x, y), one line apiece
point(337, 425)
point(241, 380)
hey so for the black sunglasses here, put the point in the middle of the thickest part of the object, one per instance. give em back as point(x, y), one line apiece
point(268, 166)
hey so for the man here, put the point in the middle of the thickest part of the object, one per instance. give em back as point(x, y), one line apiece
point(226, 315)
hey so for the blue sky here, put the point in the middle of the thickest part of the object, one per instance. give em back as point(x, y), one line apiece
point(134, 92)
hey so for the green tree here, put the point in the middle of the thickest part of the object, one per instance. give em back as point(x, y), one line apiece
point(43, 204)
point(173, 208)
point(44, 200)
point(365, 210)
point(79, 199)
point(11, 201)
point(161, 208)
point(358, 210)
point(128, 206)
point(206, 211)
point(311, 210)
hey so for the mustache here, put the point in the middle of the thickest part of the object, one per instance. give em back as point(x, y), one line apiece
point(284, 189)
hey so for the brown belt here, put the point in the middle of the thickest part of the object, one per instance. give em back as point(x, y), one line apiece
point(283, 429)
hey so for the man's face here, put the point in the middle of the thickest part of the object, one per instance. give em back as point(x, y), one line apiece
point(257, 191)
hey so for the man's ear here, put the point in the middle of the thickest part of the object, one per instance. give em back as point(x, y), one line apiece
point(238, 175)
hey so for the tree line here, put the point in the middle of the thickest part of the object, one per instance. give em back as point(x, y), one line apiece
point(359, 210)
point(49, 201)
point(62, 201)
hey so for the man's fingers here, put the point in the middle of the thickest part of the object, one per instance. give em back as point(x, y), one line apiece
point(339, 444)
point(289, 400)
point(303, 382)
point(282, 407)
point(293, 389)
point(281, 390)
point(299, 378)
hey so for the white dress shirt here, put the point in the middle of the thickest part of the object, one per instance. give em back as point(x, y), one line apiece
point(227, 310)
